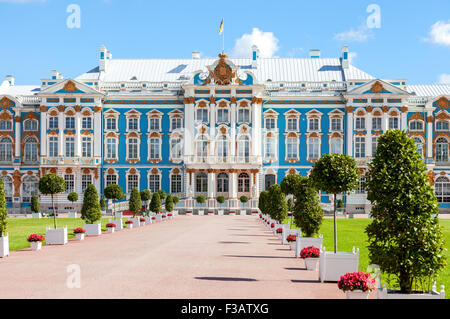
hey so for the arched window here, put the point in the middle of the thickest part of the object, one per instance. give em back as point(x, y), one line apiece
point(30, 125)
point(30, 150)
point(270, 147)
point(86, 180)
point(416, 125)
point(313, 148)
point(222, 115)
point(222, 183)
point(243, 183)
point(154, 148)
point(419, 145)
point(441, 150)
point(5, 149)
point(360, 189)
point(201, 183)
point(8, 185)
point(70, 146)
point(360, 147)
point(111, 148)
point(133, 149)
point(222, 146)
point(202, 146)
point(70, 183)
point(442, 188)
point(292, 147)
point(176, 148)
point(175, 183)
point(70, 123)
point(133, 182)
point(5, 125)
point(336, 146)
point(442, 126)
point(53, 122)
point(202, 115)
point(243, 115)
point(153, 182)
point(111, 179)
point(30, 187)
point(244, 147)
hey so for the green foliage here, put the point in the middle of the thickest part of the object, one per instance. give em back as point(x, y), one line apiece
point(277, 206)
point(307, 213)
point(340, 203)
point(162, 194)
point(201, 199)
point(3, 210)
point(135, 203)
point(289, 183)
point(51, 184)
point(263, 202)
point(90, 211)
point(405, 238)
point(35, 204)
point(73, 197)
point(243, 199)
point(146, 195)
point(102, 204)
point(290, 204)
point(169, 203)
point(113, 192)
point(220, 199)
point(175, 199)
point(155, 204)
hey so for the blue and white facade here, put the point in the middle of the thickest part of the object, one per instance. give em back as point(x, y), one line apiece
point(224, 126)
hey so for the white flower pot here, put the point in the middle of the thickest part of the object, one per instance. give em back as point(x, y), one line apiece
point(332, 266)
point(158, 218)
point(93, 229)
point(394, 294)
point(4, 246)
point(175, 212)
point(357, 294)
point(72, 215)
point(292, 245)
point(136, 222)
point(118, 223)
point(220, 212)
point(79, 236)
point(111, 229)
point(35, 245)
point(242, 212)
point(129, 226)
point(36, 215)
point(56, 236)
point(311, 263)
point(303, 242)
point(201, 212)
point(148, 220)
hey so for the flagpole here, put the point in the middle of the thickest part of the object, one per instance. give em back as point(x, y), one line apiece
point(223, 36)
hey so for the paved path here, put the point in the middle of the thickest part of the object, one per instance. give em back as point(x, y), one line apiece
point(186, 257)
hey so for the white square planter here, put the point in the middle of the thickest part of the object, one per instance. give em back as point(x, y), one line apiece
point(35, 245)
point(148, 220)
point(357, 294)
point(287, 231)
point(201, 212)
point(220, 212)
point(72, 215)
point(303, 242)
point(111, 229)
point(79, 236)
point(136, 222)
point(93, 229)
point(129, 226)
point(311, 263)
point(332, 266)
point(158, 218)
point(4, 246)
point(118, 223)
point(389, 294)
point(175, 212)
point(56, 236)
point(242, 212)
point(36, 215)
point(292, 245)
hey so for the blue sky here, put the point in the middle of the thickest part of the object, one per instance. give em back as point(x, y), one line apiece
point(412, 42)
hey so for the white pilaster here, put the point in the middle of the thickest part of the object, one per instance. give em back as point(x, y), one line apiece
point(350, 133)
point(211, 185)
point(189, 127)
point(233, 130)
point(404, 121)
point(429, 136)
point(43, 128)
point(256, 130)
point(77, 134)
point(61, 134)
point(97, 133)
point(385, 122)
point(369, 135)
point(17, 132)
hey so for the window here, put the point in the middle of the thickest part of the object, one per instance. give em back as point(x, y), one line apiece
point(376, 123)
point(243, 183)
point(175, 148)
point(336, 124)
point(30, 187)
point(175, 183)
point(111, 124)
point(53, 146)
point(53, 122)
point(8, 185)
point(360, 189)
point(86, 180)
point(176, 123)
point(70, 146)
point(419, 145)
point(393, 123)
point(86, 146)
point(222, 183)
point(5, 125)
point(153, 183)
point(154, 148)
point(442, 189)
point(202, 115)
point(5, 150)
point(201, 183)
point(133, 149)
point(292, 147)
point(30, 150)
point(133, 124)
point(360, 147)
point(202, 146)
point(111, 148)
point(30, 125)
point(243, 115)
point(441, 150)
point(313, 148)
point(374, 144)
point(222, 146)
point(336, 146)
point(70, 183)
point(442, 126)
point(270, 123)
point(313, 124)
point(360, 123)
point(111, 179)
point(244, 147)
point(70, 123)
point(86, 123)
point(133, 182)
point(292, 124)
point(154, 124)
point(222, 115)
point(270, 148)
point(416, 126)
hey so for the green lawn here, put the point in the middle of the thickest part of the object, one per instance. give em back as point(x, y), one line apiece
point(20, 228)
point(351, 233)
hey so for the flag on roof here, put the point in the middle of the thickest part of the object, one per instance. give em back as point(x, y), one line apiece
point(221, 27)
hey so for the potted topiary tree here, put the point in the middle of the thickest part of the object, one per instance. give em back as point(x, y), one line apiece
point(308, 215)
point(90, 212)
point(35, 209)
point(336, 174)
point(51, 184)
point(4, 238)
point(72, 197)
point(221, 201)
point(155, 206)
point(405, 239)
point(263, 204)
point(200, 202)
point(146, 196)
point(115, 193)
point(135, 206)
point(175, 200)
point(169, 205)
point(102, 205)
point(288, 186)
point(340, 206)
point(244, 200)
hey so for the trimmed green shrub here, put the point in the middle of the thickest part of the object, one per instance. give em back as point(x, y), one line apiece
point(51, 184)
point(155, 204)
point(146, 196)
point(90, 212)
point(201, 199)
point(115, 193)
point(135, 204)
point(263, 202)
point(72, 197)
point(102, 204)
point(162, 194)
point(169, 203)
point(35, 204)
point(277, 205)
point(175, 199)
point(243, 199)
point(3, 210)
point(220, 199)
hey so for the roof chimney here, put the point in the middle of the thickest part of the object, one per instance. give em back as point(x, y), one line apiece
point(56, 75)
point(345, 57)
point(196, 55)
point(105, 57)
point(10, 79)
point(314, 54)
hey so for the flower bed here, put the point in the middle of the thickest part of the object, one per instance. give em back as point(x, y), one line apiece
point(108, 225)
point(79, 230)
point(356, 281)
point(291, 238)
point(310, 252)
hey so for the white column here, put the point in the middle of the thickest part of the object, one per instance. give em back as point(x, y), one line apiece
point(429, 135)
point(211, 184)
point(77, 134)
point(404, 119)
point(385, 122)
point(350, 133)
point(97, 133)
point(189, 127)
point(233, 130)
point(256, 129)
point(369, 135)
point(212, 127)
point(61, 134)
point(233, 184)
point(17, 134)
point(43, 128)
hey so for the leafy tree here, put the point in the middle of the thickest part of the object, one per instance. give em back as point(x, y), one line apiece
point(288, 186)
point(405, 238)
point(277, 205)
point(155, 204)
point(3, 210)
point(220, 199)
point(201, 199)
point(340, 204)
point(90, 211)
point(102, 204)
point(243, 199)
point(115, 193)
point(307, 213)
point(263, 202)
point(335, 174)
point(135, 204)
point(162, 194)
point(72, 197)
point(51, 184)
point(169, 203)
point(146, 196)
point(175, 199)
point(35, 204)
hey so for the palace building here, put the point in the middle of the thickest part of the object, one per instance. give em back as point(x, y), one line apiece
point(211, 126)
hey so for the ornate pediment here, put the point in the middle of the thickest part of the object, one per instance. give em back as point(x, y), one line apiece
point(6, 103)
point(442, 103)
point(223, 71)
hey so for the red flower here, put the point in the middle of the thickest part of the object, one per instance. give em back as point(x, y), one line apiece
point(163, 216)
point(169, 214)
point(272, 225)
point(129, 222)
point(291, 238)
point(36, 237)
point(279, 230)
point(142, 219)
point(210, 212)
point(310, 252)
point(79, 230)
point(110, 225)
point(356, 281)
point(153, 217)
point(232, 212)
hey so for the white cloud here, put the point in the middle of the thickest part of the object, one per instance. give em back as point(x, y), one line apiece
point(440, 33)
point(266, 41)
point(352, 56)
point(444, 78)
point(359, 35)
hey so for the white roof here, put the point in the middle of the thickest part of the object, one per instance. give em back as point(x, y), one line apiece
point(18, 90)
point(429, 90)
point(275, 69)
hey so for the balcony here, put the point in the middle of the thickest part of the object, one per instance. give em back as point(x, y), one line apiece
point(223, 160)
